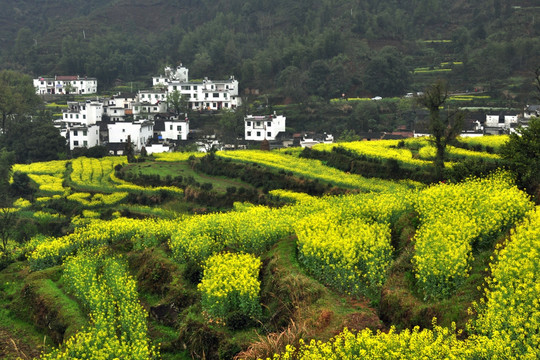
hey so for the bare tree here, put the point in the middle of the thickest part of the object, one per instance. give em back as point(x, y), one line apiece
point(443, 127)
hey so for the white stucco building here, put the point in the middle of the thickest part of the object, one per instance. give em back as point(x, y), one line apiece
point(65, 85)
point(180, 74)
point(83, 136)
point(502, 121)
point(83, 113)
point(140, 132)
point(263, 127)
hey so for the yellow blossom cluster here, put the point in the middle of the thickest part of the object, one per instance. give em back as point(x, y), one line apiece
point(142, 233)
point(313, 169)
point(176, 156)
point(495, 141)
point(117, 327)
point(437, 344)
point(455, 218)
point(253, 231)
point(511, 309)
point(348, 254)
point(230, 283)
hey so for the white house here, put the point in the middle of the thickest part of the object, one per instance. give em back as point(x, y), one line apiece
point(152, 97)
point(83, 136)
point(201, 95)
point(65, 85)
point(140, 131)
point(531, 111)
point(180, 74)
point(501, 121)
point(83, 113)
point(263, 127)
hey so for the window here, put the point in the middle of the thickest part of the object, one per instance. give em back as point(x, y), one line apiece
point(179, 128)
point(186, 87)
point(85, 143)
point(248, 123)
point(194, 87)
point(225, 95)
point(215, 95)
point(75, 143)
point(258, 133)
point(249, 133)
point(123, 130)
point(155, 108)
point(76, 116)
point(170, 127)
point(226, 105)
point(268, 123)
point(269, 134)
point(84, 133)
point(84, 116)
point(174, 87)
point(213, 104)
point(205, 95)
point(258, 123)
point(71, 116)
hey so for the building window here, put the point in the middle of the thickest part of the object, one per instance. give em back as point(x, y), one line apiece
point(123, 130)
point(258, 133)
point(215, 95)
point(76, 116)
point(84, 133)
point(269, 134)
point(268, 123)
point(194, 87)
point(248, 123)
point(75, 143)
point(186, 87)
point(84, 116)
point(75, 133)
point(258, 123)
point(249, 133)
point(206, 95)
point(226, 105)
point(170, 127)
point(179, 128)
point(85, 143)
point(214, 105)
point(174, 87)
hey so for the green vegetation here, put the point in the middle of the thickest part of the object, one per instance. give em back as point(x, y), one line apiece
point(308, 279)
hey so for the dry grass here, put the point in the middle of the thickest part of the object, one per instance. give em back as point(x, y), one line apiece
point(274, 343)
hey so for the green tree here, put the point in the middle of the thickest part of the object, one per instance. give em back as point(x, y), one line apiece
point(231, 126)
point(523, 153)
point(17, 97)
point(176, 102)
point(7, 159)
point(443, 127)
point(387, 74)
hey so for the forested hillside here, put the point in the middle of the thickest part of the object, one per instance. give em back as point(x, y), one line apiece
point(290, 50)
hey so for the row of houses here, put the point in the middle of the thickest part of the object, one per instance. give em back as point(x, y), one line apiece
point(143, 117)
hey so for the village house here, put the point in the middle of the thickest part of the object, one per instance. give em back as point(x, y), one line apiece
point(140, 132)
point(266, 127)
point(200, 95)
point(65, 85)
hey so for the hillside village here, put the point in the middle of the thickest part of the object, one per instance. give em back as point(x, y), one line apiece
point(156, 119)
